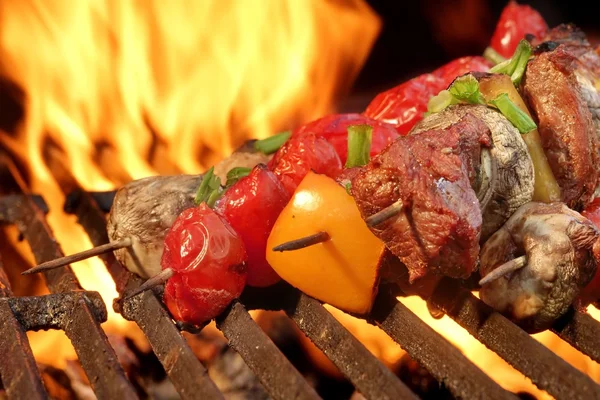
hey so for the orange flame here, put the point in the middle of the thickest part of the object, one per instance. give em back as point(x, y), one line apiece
point(116, 91)
point(123, 90)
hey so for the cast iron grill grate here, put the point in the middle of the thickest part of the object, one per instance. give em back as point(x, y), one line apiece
point(80, 313)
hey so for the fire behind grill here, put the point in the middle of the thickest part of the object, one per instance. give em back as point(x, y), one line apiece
point(79, 314)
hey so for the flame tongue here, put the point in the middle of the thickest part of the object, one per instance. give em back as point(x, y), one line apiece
point(119, 90)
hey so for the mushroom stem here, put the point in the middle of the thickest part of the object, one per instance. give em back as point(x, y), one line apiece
point(156, 280)
point(385, 214)
point(301, 243)
point(508, 267)
point(66, 260)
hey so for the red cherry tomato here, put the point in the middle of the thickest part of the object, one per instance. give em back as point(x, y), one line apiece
point(404, 105)
point(334, 129)
point(303, 153)
point(208, 258)
point(252, 206)
point(515, 22)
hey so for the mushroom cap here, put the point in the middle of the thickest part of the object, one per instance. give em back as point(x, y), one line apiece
point(506, 176)
point(558, 245)
point(145, 209)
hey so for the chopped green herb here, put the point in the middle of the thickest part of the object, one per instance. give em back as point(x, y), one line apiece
point(348, 187)
point(513, 113)
point(493, 56)
point(235, 174)
point(441, 101)
point(272, 144)
point(359, 145)
point(516, 65)
point(466, 88)
point(210, 189)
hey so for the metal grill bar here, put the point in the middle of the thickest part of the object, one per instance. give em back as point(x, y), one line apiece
point(274, 371)
point(185, 371)
point(370, 377)
point(547, 371)
point(443, 361)
point(581, 331)
point(20, 375)
point(89, 340)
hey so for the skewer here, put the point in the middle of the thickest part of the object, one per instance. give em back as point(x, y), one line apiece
point(508, 267)
point(301, 243)
point(156, 280)
point(83, 255)
point(320, 237)
point(385, 214)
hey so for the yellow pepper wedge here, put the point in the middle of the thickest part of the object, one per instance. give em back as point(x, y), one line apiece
point(343, 271)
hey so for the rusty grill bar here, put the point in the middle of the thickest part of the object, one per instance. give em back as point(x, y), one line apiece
point(84, 311)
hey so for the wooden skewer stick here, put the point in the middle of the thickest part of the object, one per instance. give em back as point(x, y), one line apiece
point(385, 214)
point(508, 267)
point(301, 243)
point(66, 260)
point(156, 280)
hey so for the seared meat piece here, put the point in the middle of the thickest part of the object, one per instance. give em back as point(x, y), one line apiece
point(560, 88)
point(145, 209)
point(440, 223)
point(559, 245)
point(505, 177)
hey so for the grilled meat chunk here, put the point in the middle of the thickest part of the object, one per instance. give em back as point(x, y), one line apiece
point(560, 86)
point(145, 209)
point(559, 245)
point(431, 173)
point(505, 177)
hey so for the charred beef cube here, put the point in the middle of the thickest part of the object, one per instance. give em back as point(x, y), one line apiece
point(439, 227)
point(560, 86)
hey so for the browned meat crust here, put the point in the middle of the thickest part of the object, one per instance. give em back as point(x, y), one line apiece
point(440, 224)
point(559, 86)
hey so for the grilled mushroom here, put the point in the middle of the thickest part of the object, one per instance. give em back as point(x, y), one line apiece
point(145, 209)
point(506, 178)
point(558, 244)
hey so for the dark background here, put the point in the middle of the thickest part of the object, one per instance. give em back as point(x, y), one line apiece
point(418, 36)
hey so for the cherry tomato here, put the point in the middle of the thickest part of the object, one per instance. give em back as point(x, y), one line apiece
point(301, 154)
point(251, 206)
point(515, 22)
point(404, 105)
point(208, 258)
point(334, 129)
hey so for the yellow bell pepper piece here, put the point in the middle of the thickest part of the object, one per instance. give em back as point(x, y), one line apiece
point(343, 271)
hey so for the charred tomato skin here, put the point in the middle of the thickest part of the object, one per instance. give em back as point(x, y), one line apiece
point(334, 129)
point(404, 105)
point(516, 21)
point(301, 154)
point(209, 262)
point(251, 206)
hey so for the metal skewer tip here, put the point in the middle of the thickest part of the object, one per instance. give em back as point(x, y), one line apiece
point(156, 280)
point(66, 260)
point(385, 214)
point(301, 243)
point(506, 268)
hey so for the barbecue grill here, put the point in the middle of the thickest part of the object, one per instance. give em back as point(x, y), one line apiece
point(79, 314)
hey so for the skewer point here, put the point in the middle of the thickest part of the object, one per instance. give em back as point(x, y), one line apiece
point(506, 268)
point(301, 243)
point(385, 214)
point(156, 280)
point(83, 255)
